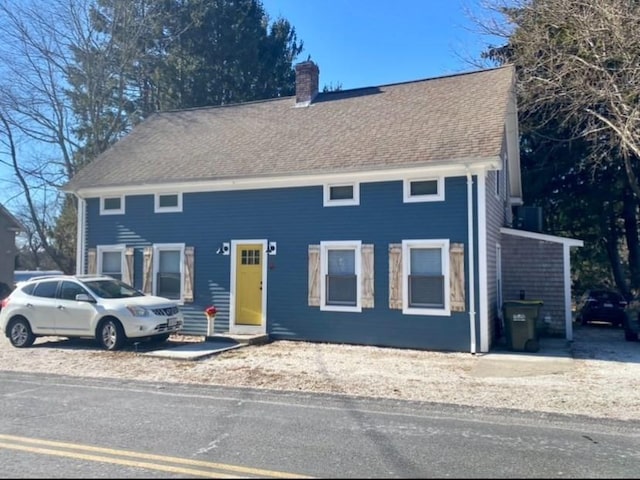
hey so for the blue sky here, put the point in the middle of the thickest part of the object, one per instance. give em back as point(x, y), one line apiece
point(361, 43)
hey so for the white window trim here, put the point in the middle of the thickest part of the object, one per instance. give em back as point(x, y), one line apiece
point(119, 211)
point(328, 202)
point(157, 248)
point(408, 198)
point(443, 244)
point(356, 246)
point(158, 209)
point(100, 249)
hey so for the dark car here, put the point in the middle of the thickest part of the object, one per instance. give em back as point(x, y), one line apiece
point(5, 290)
point(602, 305)
point(631, 323)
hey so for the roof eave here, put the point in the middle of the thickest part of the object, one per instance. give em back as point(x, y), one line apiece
point(571, 242)
point(450, 167)
point(17, 226)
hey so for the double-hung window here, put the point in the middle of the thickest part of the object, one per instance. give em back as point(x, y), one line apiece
point(168, 261)
point(426, 279)
point(340, 276)
point(111, 260)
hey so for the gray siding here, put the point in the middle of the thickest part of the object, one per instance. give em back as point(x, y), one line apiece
point(497, 216)
point(536, 267)
point(296, 218)
point(495, 220)
point(8, 249)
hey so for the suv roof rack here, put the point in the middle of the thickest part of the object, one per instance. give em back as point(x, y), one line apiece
point(42, 277)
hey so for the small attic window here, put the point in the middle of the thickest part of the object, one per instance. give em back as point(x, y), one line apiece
point(341, 194)
point(111, 205)
point(168, 202)
point(423, 190)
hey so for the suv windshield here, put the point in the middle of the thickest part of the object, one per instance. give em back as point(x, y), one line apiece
point(605, 296)
point(112, 289)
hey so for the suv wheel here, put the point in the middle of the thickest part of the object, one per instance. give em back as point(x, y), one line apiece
point(20, 334)
point(110, 334)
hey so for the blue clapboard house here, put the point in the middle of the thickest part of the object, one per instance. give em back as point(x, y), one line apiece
point(372, 216)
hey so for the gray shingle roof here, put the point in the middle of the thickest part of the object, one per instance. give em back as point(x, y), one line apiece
point(12, 222)
point(407, 124)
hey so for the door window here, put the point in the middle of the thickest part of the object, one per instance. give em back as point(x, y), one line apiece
point(69, 290)
point(250, 257)
point(46, 289)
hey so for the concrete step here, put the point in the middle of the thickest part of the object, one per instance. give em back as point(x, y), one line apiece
point(244, 339)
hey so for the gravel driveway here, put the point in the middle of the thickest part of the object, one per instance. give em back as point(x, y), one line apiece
point(600, 376)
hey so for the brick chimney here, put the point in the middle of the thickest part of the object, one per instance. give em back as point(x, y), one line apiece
point(306, 83)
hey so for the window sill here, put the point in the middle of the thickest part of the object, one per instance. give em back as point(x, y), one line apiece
point(434, 312)
point(337, 308)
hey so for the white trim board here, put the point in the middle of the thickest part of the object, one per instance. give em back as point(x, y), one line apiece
point(447, 168)
point(571, 242)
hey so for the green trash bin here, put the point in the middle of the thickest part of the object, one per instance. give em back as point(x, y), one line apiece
point(520, 318)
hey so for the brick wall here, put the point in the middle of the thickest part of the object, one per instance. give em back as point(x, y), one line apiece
point(307, 77)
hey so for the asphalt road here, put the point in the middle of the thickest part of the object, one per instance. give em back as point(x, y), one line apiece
point(70, 427)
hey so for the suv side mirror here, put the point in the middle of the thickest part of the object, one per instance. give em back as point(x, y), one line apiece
point(83, 297)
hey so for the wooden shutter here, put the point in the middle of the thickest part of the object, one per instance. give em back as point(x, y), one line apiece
point(395, 276)
point(188, 274)
point(127, 275)
point(147, 270)
point(367, 276)
point(314, 275)
point(92, 261)
point(456, 266)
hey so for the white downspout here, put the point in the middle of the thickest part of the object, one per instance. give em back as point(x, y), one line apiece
point(566, 265)
point(80, 223)
point(472, 286)
point(483, 293)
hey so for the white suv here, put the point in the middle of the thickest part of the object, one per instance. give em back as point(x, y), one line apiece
point(99, 307)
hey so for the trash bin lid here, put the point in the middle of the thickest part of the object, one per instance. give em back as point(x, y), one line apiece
point(515, 303)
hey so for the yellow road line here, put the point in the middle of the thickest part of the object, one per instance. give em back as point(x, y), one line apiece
point(138, 455)
point(117, 461)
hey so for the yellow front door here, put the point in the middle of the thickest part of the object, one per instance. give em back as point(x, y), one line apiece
point(249, 284)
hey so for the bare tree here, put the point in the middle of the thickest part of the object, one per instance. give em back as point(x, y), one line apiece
point(60, 106)
point(31, 255)
point(578, 64)
point(36, 123)
point(41, 217)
